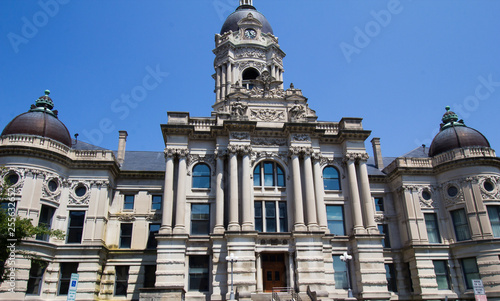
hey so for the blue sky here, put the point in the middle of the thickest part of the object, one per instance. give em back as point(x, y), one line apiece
point(396, 64)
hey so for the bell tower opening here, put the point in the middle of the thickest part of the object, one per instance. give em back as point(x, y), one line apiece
point(247, 76)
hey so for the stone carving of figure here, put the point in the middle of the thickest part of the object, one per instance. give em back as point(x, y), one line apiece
point(297, 111)
point(239, 109)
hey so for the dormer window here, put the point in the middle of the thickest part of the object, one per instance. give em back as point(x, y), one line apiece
point(248, 75)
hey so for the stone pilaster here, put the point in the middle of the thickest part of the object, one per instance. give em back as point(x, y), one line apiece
point(180, 223)
point(354, 195)
point(297, 191)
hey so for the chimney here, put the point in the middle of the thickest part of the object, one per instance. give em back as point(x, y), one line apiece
point(377, 153)
point(122, 141)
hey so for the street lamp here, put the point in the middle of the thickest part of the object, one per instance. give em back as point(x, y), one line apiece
point(232, 259)
point(345, 258)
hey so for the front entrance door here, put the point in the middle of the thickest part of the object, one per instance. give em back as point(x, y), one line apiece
point(274, 271)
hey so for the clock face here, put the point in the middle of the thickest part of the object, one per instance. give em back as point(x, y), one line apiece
point(250, 33)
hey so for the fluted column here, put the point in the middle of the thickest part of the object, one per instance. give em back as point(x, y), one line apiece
point(234, 224)
point(319, 191)
point(297, 192)
point(354, 196)
point(217, 84)
point(180, 226)
point(368, 212)
point(223, 82)
point(168, 194)
point(312, 222)
point(219, 193)
point(248, 219)
point(258, 259)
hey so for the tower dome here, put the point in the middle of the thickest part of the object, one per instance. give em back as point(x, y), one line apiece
point(40, 120)
point(455, 134)
point(246, 7)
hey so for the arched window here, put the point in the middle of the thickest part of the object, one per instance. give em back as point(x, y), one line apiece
point(201, 176)
point(268, 173)
point(247, 76)
point(331, 178)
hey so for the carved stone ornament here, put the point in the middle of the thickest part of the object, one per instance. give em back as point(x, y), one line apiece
point(257, 65)
point(267, 115)
point(176, 152)
point(239, 109)
point(351, 156)
point(195, 159)
point(21, 174)
point(380, 218)
point(153, 217)
point(240, 136)
point(126, 218)
point(423, 202)
point(269, 141)
point(300, 151)
point(301, 137)
point(494, 181)
point(52, 187)
point(241, 149)
point(74, 199)
point(452, 200)
point(275, 156)
point(297, 112)
point(250, 52)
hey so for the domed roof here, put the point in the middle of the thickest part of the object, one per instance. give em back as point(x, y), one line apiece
point(454, 134)
point(40, 120)
point(242, 12)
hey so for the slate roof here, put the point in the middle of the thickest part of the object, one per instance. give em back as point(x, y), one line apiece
point(143, 161)
point(80, 145)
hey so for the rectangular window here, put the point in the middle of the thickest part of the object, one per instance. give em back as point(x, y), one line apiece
point(198, 273)
point(268, 174)
point(384, 229)
point(126, 235)
point(149, 275)
point(390, 274)
point(494, 214)
point(66, 269)
point(379, 204)
point(460, 224)
point(470, 270)
point(128, 202)
point(75, 226)
point(153, 229)
point(200, 219)
point(258, 216)
point(283, 217)
point(156, 201)
point(442, 274)
point(340, 273)
point(270, 217)
point(35, 277)
point(45, 219)
point(121, 280)
point(335, 217)
point(256, 176)
point(431, 223)
point(408, 279)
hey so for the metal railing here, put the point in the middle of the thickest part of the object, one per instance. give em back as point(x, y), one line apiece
point(285, 293)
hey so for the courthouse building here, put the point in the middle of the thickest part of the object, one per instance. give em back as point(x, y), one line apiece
point(262, 179)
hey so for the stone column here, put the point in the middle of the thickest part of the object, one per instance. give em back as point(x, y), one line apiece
point(319, 191)
point(368, 210)
point(168, 194)
point(297, 192)
point(357, 217)
point(273, 71)
point(217, 84)
point(291, 270)
point(180, 226)
point(248, 219)
point(219, 193)
point(229, 77)
point(312, 222)
point(234, 224)
point(281, 77)
point(260, 281)
point(223, 82)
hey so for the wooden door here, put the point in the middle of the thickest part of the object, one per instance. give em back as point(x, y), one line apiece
point(274, 271)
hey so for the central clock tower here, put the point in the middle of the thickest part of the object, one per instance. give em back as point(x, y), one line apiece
point(246, 50)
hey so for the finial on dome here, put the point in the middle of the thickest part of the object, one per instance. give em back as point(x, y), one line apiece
point(246, 2)
point(47, 92)
point(44, 104)
point(450, 118)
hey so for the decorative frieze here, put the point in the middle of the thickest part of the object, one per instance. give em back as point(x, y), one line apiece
point(239, 136)
point(301, 137)
point(268, 141)
point(250, 52)
point(267, 115)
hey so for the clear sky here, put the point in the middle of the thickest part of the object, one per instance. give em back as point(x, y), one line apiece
point(396, 64)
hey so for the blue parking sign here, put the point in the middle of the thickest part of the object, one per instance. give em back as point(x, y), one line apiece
point(72, 287)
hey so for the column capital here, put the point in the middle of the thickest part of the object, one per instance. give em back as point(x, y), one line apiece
point(220, 153)
point(300, 151)
point(175, 152)
point(240, 149)
point(352, 156)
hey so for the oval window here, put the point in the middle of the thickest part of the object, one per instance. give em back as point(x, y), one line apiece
point(53, 185)
point(80, 190)
point(426, 195)
point(452, 191)
point(12, 179)
point(488, 186)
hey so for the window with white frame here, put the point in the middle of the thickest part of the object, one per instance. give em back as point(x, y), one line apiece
point(271, 216)
point(268, 174)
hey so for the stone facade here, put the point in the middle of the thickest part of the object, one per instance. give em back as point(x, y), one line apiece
point(264, 180)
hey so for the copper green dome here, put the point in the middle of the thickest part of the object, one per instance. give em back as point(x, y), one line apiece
point(41, 121)
point(455, 134)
